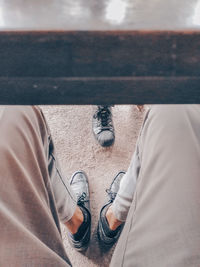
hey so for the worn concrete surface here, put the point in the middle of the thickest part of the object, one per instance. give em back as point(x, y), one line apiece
point(78, 150)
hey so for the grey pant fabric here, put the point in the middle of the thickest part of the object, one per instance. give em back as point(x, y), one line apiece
point(124, 198)
point(163, 224)
point(33, 192)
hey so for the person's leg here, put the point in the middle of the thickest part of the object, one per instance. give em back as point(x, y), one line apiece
point(72, 200)
point(120, 207)
point(33, 197)
point(108, 236)
point(102, 125)
point(29, 222)
point(116, 212)
point(162, 226)
point(79, 237)
point(78, 219)
point(75, 222)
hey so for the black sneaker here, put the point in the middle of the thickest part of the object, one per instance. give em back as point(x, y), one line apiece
point(106, 236)
point(80, 186)
point(102, 126)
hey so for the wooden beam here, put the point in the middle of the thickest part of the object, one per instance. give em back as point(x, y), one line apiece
point(99, 54)
point(102, 90)
point(99, 67)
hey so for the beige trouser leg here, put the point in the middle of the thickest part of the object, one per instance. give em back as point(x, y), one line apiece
point(163, 224)
point(34, 194)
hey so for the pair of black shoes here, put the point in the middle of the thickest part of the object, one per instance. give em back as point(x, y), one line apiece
point(107, 237)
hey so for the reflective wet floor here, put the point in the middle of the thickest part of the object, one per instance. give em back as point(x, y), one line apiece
point(99, 15)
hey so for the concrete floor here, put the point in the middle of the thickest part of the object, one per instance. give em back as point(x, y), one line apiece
point(78, 150)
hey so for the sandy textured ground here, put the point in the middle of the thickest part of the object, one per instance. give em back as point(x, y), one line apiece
point(78, 150)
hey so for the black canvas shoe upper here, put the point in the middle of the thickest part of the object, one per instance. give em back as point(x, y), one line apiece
point(102, 126)
point(105, 234)
point(80, 186)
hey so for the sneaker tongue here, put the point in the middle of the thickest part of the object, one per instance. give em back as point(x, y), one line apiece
point(103, 115)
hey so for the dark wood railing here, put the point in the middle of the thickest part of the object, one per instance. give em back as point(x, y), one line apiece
point(99, 67)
